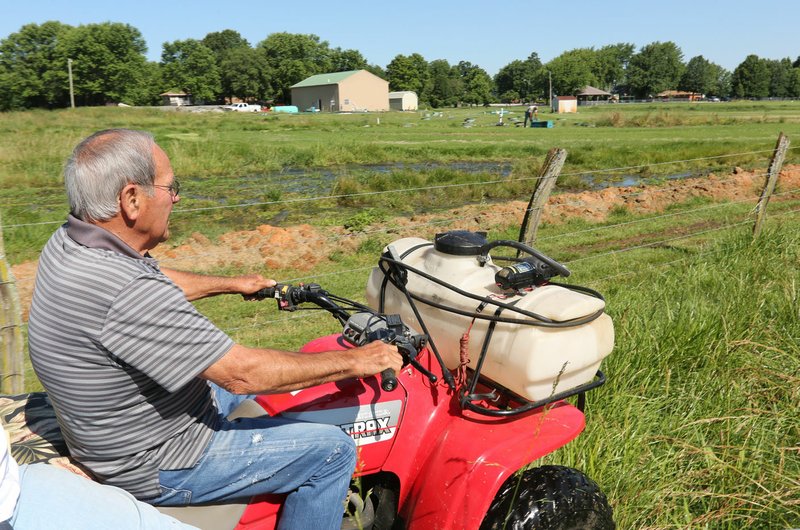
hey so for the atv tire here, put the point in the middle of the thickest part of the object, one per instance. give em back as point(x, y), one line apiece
point(549, 498)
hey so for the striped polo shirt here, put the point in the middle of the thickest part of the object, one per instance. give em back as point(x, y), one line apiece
point(119, 349)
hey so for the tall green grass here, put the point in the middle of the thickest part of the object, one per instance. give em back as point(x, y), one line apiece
point(699, 424)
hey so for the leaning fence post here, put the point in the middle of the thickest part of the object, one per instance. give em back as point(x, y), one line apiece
point(13, 373)
point(775, 166)
point(544, 185)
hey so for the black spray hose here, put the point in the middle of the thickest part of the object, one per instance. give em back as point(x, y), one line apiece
point(448, 377)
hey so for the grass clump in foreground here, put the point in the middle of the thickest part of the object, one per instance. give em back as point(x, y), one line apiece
point(699, 423)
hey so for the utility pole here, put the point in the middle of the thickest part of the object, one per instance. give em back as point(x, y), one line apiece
point(550, 79)
point(71, 91)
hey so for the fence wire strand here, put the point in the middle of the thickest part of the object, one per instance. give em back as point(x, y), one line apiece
point(422, 188)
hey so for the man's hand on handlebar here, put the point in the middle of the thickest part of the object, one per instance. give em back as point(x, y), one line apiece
point(250, 284)
point(376, 357)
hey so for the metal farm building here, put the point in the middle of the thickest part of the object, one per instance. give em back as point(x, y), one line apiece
point(353, 91)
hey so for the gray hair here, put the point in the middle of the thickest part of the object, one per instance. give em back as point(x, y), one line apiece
point(103, 164)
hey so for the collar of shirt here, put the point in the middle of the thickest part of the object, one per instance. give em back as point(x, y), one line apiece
point(92, 236)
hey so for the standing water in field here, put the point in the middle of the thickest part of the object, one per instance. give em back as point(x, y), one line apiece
point(307, 181)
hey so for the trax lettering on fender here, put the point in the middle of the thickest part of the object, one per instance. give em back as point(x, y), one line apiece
point(362, 429)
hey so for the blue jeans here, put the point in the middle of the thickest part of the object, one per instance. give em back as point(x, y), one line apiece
point(312, 463)
point(51, 497)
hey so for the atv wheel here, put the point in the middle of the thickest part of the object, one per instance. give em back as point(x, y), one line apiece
point(549, 498)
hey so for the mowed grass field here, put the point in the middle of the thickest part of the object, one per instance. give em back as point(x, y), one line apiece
point(699, 423)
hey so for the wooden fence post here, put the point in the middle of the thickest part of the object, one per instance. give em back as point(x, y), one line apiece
point(11, 346)
point(550, 171)
point(775, 166)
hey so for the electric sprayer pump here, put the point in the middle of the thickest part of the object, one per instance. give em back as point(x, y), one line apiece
point(539, 340)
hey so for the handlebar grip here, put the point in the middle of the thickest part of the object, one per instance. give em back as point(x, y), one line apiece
point(388, 380)
point(263, 294)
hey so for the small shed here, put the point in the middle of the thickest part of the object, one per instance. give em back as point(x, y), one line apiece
point(176, 99)
point(352, 91)
point(403, 100)
point(564, 104)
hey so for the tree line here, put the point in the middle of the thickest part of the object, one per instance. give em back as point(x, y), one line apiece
point(109, 65)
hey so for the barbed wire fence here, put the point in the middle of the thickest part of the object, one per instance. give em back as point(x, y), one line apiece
point(12, 324)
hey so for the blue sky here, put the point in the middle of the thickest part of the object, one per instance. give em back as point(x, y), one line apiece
point(487, 33)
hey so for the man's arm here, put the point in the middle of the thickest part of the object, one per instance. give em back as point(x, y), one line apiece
point(246, 370)
point(196, 286)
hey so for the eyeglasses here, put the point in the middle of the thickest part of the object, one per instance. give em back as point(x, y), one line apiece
point(174, 189)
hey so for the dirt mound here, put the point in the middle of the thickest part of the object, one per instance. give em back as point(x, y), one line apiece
point(304, 245)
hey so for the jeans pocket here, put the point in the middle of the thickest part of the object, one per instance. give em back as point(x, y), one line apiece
point(174, 497)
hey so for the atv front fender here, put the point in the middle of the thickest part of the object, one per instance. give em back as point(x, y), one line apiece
point(473, 456)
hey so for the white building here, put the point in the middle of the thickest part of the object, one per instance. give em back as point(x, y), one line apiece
point(404, 100)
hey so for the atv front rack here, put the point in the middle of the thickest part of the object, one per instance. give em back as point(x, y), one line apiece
point(468, 399)
point(471, 400)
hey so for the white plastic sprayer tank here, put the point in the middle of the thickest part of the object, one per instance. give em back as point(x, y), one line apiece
point(534, 362)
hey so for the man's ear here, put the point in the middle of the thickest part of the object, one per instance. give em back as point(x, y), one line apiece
point(130, 201)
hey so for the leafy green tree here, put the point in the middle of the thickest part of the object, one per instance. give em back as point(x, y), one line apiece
point(700, 76)
point(225, 44)
point(657, 67)
point(146, 92)
point(377, 70)
point(573, 70)
point(347, 60)
point(610, 64)
point(781, 78)
point(292, 57)
point(446, 85)
point(223, 41)
point(408, 72)
point(108, 62)
point(478, 84)
point(519, 79)
point(32, 72)
point(190, 66)
point(722, 81)
point(794, 83)
point(751, 79)
point(244, 74)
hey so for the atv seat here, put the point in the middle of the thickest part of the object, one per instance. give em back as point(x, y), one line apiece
point(30, 421)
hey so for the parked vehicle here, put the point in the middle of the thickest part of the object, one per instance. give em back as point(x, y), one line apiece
point(242, 107)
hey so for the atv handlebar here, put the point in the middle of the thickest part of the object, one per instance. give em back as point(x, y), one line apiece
point(361, 325)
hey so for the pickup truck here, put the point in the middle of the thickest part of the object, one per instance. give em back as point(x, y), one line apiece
point(242, 107)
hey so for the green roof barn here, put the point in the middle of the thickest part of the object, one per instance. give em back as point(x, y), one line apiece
point(352, 91)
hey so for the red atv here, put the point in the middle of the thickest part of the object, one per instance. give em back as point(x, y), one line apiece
point(492, 353)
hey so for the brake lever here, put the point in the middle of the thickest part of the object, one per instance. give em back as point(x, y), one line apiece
point(409, 353)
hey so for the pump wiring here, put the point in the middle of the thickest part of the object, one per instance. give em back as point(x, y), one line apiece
point(534, 319)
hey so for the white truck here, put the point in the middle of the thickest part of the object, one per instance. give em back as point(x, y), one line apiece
point(242, 107)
